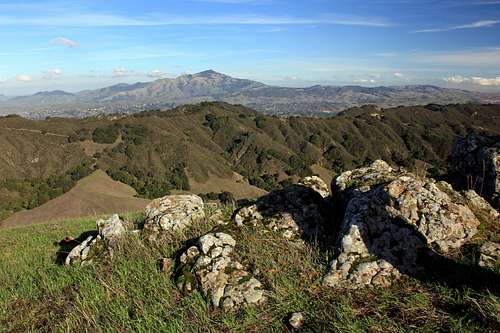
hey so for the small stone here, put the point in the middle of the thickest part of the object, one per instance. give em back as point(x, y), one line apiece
point(165, 264)
point(296, 320)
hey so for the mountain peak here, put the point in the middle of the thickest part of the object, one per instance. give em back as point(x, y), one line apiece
point(208, 73)
point(53, 93)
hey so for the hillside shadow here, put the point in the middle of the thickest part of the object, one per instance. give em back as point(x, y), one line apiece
point(67, 244)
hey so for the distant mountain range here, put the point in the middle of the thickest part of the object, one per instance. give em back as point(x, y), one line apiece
point(212, 86)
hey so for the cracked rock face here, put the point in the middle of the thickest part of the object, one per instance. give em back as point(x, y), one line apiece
point(387, 226)
point(489, 255)
point(173, 213)
point(295, 211)
point(109, 233)
point(210, 267)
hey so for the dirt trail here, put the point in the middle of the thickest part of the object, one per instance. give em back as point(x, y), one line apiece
point(33, 131)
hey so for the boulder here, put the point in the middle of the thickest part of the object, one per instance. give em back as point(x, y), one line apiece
point(224, 281)
point(173, 213)
point(476, 158)
point(489, 255)
point(392, 219)
point(110, 231)
point(295, 211)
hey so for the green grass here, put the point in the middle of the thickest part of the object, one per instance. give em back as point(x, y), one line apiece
point(129, 293)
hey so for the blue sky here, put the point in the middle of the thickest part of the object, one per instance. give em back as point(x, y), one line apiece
point(75, 45)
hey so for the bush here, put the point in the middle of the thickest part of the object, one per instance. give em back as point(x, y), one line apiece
point(108, 134)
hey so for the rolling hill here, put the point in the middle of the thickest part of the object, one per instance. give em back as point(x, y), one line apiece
point(214, 147)
point(93, 195)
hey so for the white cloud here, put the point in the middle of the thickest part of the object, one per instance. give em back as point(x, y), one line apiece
point(121, 72)
point(53, 73)
point(24, 78)
point(474, 25)
point(64, 42)
point(486, 82)
point(476, 80)
point(157, 73)
point(399, 75)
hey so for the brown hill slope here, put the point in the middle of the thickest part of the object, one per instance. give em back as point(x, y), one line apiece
point(94, 195)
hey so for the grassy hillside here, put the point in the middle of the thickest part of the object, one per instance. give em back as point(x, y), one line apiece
point(156, 152)
point(129, 293)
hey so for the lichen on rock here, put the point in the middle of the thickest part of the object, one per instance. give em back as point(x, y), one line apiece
point(210, 267)
point(173, 213)
point(109, 233)
point(389, 221)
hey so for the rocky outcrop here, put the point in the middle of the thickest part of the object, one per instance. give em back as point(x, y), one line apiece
point(489, 255)
point(391, 217)
point(296, 211)
point(109, 233)
point(317, 184)
point(351, 182)
point(173, 213)
point(476, 159)
point(210, 266)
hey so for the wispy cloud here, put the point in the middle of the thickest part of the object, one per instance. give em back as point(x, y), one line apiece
point(157, 73)
point(64, 42)
point(474, 25)
point(236, 2)
point(121, 72)
point(103, 20)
